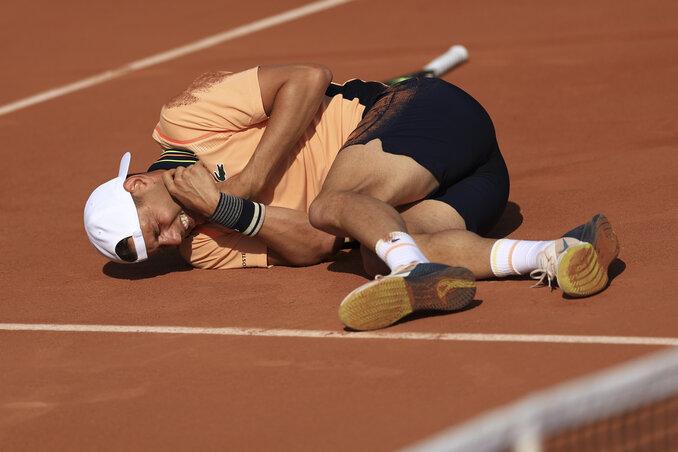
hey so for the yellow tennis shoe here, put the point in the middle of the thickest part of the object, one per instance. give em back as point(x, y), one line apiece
point(580, 259)
point(417, 287)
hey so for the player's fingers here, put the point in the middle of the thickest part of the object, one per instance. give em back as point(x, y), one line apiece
point(197, 168)
point(168, 177)
point(199, 173)
point(168, 180)
point(181, 177)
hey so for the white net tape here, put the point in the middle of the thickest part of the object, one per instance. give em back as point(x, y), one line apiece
point(523, 425)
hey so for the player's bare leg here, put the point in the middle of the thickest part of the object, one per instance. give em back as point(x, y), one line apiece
point(361, 189)
point(578, 261)
point(453, 247)
point(441, 234)
point(357, 200)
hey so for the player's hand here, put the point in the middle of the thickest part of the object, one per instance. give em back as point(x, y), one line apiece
point(194, 188)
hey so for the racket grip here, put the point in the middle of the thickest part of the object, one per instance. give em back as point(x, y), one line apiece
point(456, 55)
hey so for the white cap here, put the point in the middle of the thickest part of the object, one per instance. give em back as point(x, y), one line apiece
point(110, 216)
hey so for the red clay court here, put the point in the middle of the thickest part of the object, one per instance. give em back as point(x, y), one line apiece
point(583, 98)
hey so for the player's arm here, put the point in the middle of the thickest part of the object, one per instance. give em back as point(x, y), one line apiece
point(291, 95)
point(291, 240)
point(287, 233)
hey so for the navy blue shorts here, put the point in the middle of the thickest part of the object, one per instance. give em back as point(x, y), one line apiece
point(449, 133)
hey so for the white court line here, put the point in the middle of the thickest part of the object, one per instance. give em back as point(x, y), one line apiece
point(243, 30)
point(319, 334)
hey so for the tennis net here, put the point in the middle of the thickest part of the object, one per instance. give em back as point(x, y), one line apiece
point(631, 407)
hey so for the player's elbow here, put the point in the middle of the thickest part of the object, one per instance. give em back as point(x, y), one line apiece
point(326, 74)
point(317, 75)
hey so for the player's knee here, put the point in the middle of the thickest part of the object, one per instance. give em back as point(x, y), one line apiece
point(323, 210)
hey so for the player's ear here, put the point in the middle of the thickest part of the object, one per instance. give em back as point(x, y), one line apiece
point(137, 182)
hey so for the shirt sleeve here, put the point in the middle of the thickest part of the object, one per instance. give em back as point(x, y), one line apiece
point(215, 102)
point(211, 247)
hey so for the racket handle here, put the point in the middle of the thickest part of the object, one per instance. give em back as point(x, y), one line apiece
point(455, 56)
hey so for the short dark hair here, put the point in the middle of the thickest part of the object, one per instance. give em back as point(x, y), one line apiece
point(124, 252)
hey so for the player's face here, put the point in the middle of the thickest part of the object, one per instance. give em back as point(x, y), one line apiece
point(164, 222)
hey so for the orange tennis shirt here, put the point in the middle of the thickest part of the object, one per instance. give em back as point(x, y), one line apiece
point(220, 118)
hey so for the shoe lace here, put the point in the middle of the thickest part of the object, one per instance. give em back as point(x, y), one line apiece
point(541, 274)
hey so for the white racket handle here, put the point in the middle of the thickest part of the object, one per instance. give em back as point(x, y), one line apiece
point(456, 55)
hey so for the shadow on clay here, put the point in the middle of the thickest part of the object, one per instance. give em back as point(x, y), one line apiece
point(348, 261)
point(423, 314)
point(510, 220)
point(169, 261)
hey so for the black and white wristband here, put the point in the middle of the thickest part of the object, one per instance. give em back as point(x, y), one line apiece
point(239, 214)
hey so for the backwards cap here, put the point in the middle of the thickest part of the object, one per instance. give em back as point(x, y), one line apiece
point(110, 216)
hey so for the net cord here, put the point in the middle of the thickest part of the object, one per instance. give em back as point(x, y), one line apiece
point(520, 425)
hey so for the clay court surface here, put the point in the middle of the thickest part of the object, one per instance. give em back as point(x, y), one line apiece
point(583, 96)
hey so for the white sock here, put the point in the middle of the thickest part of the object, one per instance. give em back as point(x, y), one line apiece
point(515, 257)
point(398, 249)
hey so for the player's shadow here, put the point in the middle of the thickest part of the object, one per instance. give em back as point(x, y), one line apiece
point(510, 220)
point(169, 261)
point(423, 314)
point(617, 267)
point(349, 261)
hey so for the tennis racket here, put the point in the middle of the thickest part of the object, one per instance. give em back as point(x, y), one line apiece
point(456, 55)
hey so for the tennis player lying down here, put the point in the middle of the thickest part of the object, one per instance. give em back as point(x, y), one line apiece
point(277, 165)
